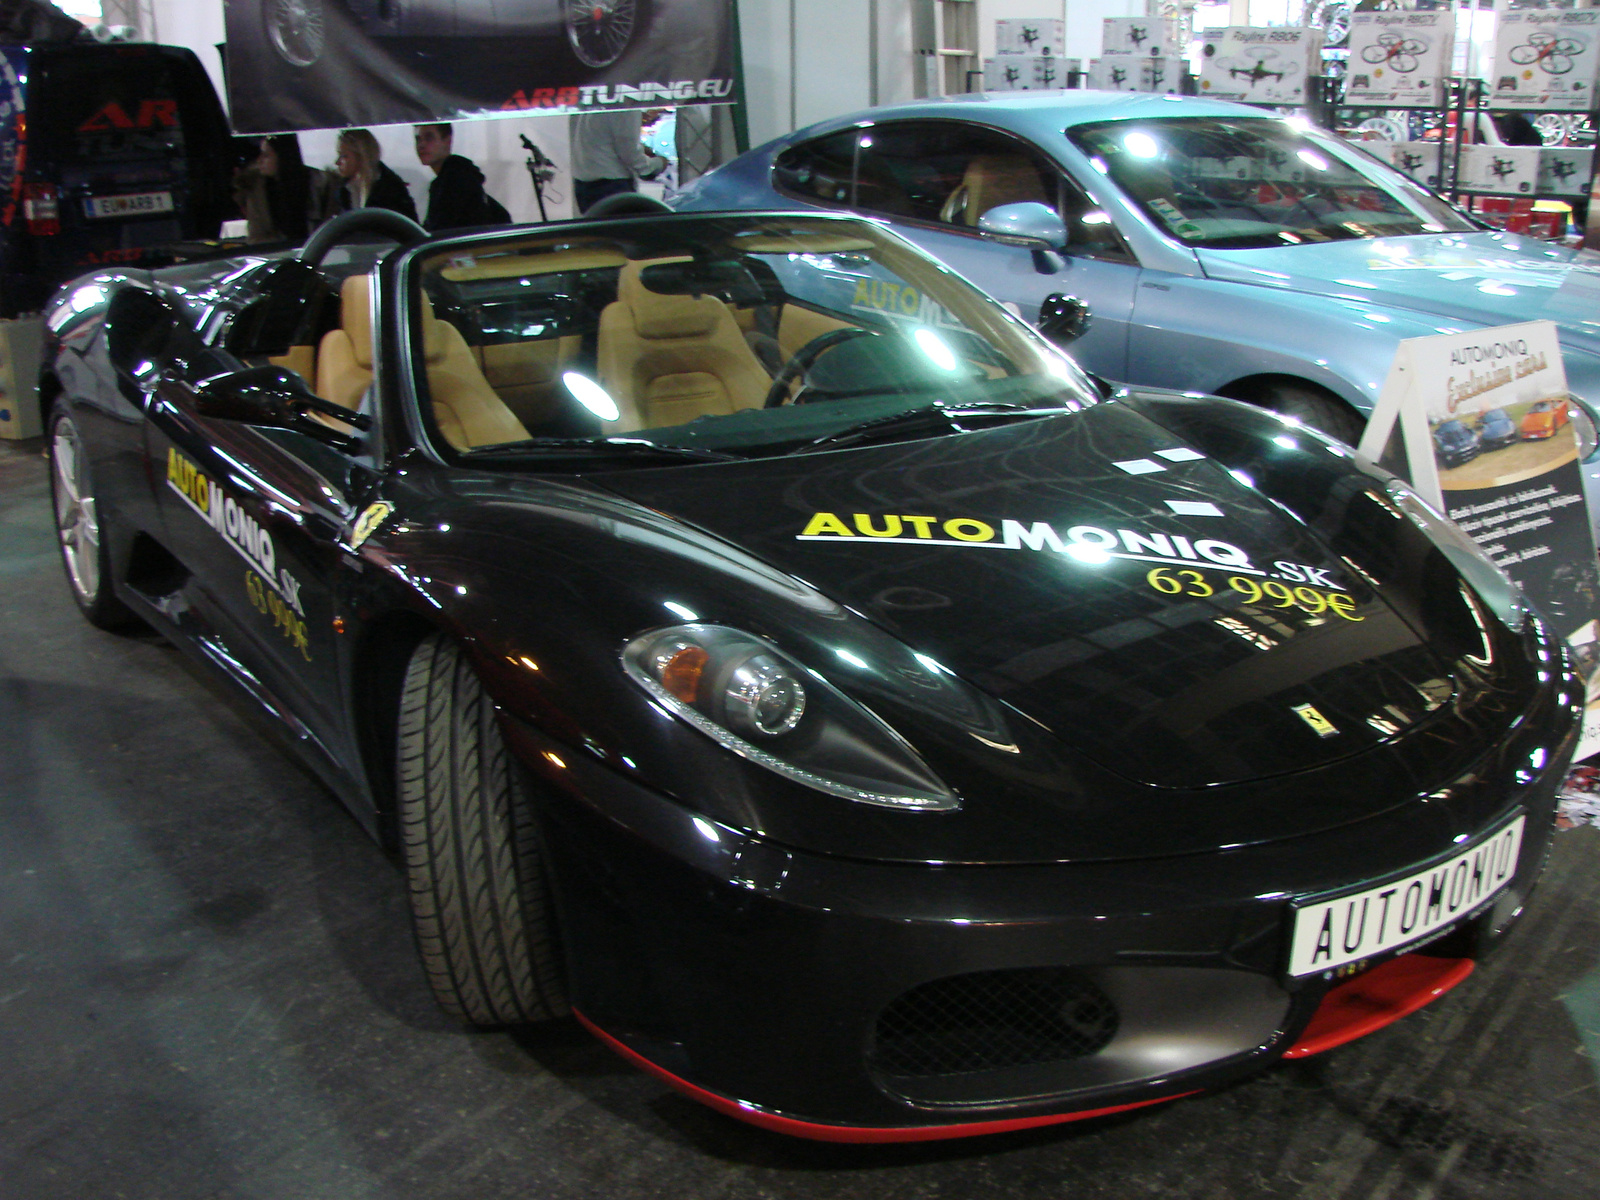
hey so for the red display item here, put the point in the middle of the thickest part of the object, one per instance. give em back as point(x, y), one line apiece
point(858, 1134)
point(1376, 998)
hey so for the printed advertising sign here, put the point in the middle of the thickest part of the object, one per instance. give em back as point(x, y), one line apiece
point(1546, 59)
point(1399, 59)
point(1487, 424)
point(317, 64)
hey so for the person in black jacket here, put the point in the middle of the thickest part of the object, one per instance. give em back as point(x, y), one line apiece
point(456, 198)
point(367, 181)
point(274, 192)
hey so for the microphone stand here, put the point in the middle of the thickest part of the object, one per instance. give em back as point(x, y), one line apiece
point(541, 170)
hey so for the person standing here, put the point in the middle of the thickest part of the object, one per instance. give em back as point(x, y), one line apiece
point(607, 156)
point(367, 182)
point(456, 198)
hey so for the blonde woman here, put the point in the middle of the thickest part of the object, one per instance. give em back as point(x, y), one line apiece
point(367, 182)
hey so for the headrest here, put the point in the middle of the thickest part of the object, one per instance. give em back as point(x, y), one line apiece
point(658, 316)
point(355, 317)
point(986, 167)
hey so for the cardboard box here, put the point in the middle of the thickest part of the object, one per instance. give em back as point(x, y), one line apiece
point(1565, 170)
point(1546, 59)
point(1505, 170)
point(1420, 160)
point(1150, 37)
point(1033, 73)
point(1260, 66)
point(21, 345)
point(1399, 59)
point(1123, 73)
point(1030, 37)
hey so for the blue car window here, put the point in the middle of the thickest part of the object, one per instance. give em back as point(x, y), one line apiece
point(1242, 182)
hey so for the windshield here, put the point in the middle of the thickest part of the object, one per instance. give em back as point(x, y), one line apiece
point(722, 335)
point(1244, 182)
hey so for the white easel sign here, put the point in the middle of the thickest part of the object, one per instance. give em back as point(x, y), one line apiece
point(1487, 425)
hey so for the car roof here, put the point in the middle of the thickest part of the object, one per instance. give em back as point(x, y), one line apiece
point(1053, 111)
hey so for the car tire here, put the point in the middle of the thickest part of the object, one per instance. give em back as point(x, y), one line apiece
point(78, 530)
point(1321, 410)
point(473, 857)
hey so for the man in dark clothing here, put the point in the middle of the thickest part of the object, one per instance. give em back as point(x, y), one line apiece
point(456, 198)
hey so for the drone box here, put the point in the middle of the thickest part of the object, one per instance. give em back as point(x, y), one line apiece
point(1420, 160)
point(1546, 59)
point(1122, 73)
point(1565, 170)
point(1029, 37)
point(1399, 59)
point(1260, 66)
point(1503, 170)
point(1148, 36)
point(1027, 73)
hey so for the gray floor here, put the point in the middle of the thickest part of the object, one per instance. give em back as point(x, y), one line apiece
point(208, 990)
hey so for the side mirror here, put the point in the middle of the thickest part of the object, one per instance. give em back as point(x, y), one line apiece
point(275, 399)
point(1029, 223)
point(1063, 319)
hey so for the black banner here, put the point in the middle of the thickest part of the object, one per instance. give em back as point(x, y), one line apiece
point(322, 64)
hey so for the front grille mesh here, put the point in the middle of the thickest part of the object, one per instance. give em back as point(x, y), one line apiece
point(992, 1020)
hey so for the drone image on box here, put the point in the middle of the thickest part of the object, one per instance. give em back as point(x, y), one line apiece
point(1253, 65)
point(1397, 52)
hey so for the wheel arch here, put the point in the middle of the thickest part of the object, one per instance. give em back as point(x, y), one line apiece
point(1259, 390)
point(377, 675)
point(50, 390)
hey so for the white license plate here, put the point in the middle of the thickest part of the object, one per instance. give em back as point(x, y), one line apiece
point(1331, 933)
point(134, 203)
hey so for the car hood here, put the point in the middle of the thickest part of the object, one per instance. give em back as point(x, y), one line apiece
point(1472, 278)
point(1153, 652)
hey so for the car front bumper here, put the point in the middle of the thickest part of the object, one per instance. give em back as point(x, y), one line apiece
point(857, 1001)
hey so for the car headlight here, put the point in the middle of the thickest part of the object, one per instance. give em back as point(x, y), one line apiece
point(1493, 585)
point(750, 697)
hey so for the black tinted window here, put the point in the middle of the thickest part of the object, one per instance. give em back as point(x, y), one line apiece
point(818, 171)
point(103, 108)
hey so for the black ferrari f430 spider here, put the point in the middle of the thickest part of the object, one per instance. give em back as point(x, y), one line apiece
point(755, 641)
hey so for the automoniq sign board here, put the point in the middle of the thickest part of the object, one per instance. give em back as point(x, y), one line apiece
point(317, 64)
point(1490, 436)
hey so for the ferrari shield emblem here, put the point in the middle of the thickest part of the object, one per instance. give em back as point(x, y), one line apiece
point(1319, 723)
point(371, 517)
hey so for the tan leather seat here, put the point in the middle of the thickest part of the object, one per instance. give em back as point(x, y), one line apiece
point(466, 408)
point(468, 411)
point(344, 359)
point(669, 359)
point(989, 181)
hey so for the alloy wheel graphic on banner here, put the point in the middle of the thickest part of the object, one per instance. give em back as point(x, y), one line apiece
point(314, 64)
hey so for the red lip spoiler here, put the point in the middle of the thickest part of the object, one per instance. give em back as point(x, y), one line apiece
point(850, 1133)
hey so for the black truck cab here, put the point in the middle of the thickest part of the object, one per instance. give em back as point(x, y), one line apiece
point(108, 152)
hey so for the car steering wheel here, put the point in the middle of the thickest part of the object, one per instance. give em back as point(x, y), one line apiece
point(360, 220)
point(800, 361)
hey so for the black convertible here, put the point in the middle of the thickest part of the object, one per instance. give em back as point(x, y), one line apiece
point(758, 643)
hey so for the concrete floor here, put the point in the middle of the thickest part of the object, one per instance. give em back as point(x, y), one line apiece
point(209, 990)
